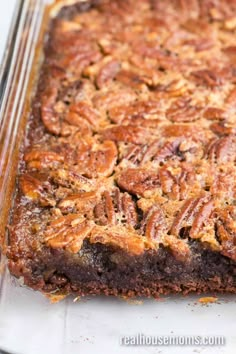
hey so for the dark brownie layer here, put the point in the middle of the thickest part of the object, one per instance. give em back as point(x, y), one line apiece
point(126, 184)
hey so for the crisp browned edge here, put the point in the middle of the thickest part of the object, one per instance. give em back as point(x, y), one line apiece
point(50, 11)
point(27, 108)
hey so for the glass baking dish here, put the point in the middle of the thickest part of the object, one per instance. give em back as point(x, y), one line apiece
point(29, 323)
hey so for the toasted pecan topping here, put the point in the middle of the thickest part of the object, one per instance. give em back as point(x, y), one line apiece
point(67, 232)
point(138, 103)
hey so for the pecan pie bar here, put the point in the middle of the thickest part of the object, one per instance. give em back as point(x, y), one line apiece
point(126, 182)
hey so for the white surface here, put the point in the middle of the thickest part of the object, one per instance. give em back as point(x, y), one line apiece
point(29, 324)
point(6, 11)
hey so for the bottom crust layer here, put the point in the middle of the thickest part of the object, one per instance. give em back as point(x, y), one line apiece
point(97, 269)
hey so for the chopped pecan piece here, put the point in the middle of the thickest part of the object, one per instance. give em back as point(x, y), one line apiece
point(175, 88)
point(178, 247)
point(134, 153)
point(139, 181)
point(68, 232)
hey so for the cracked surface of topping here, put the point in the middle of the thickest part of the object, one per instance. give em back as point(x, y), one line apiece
point(135, 147)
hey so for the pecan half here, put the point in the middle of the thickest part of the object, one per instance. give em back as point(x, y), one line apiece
point(222, 150)
point(140, 109)
point(177, 149)
point(68, 232)
point(82, 202)
point(214, 113)
point(104, 100)
point(39, 159)
point(74, 119)
point(186, 131)
point(129, 134)
point(187, 214)
point(37, 190)
point(50, 118)
point(132, 79)
point(207, 78)
point(139, 181)
point(72, 179)
point(154, 223)
point(107, 73)
point(63, 107)
point(97, 160)
point(231, 99)
point(223, 128)
point(85, 111)
point(201, 219)
point(116, 208)
point(178, 183)
point(183, 111)
point(226, 230)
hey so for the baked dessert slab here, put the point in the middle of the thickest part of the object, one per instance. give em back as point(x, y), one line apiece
point(126, 182)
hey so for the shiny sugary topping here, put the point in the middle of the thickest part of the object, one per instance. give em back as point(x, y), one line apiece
point(138, 101)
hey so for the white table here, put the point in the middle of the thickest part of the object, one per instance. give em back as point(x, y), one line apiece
point(6, 12)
